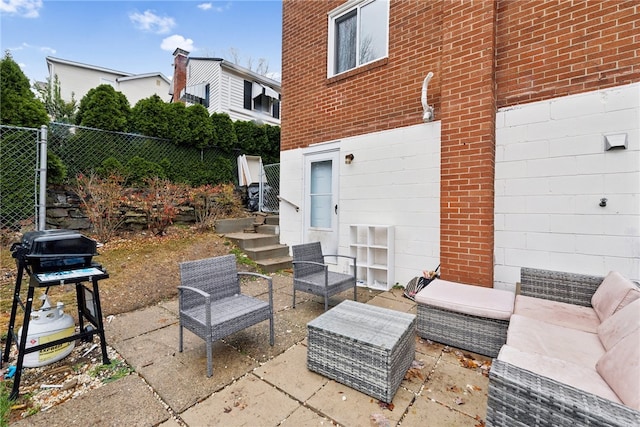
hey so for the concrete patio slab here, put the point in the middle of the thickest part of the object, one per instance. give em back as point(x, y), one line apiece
point(247, 402)
point(135, 323)
point(426, 412)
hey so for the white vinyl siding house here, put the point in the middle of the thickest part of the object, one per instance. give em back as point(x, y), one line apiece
point(224, 87)
point(77, 79)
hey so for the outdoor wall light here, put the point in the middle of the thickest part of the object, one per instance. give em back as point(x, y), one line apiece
point(348, 159)
point(615, 142)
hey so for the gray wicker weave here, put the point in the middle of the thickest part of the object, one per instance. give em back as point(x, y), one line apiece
point(365, 347)
point(559, 286)
point(211, 304)
point(481, 335)
point(312, 275)
point(518, 397)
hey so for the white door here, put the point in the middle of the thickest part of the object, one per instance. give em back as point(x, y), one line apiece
point(321, 199)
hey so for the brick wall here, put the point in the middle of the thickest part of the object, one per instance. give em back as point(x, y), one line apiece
point(384, 95)
point(467, 147)
point(548, 49)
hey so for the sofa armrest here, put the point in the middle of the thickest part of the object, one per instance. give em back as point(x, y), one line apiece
point(518, 397)
point(571, 288)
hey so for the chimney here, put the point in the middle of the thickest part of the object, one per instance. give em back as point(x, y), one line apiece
point(179, 83)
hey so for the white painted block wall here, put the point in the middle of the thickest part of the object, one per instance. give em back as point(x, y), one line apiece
point(394, 180)
point(551, 172)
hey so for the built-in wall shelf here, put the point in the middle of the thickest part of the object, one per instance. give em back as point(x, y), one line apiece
point(373, 247)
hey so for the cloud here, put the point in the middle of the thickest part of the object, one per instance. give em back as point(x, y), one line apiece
point(209, 6)
point(149, 21)
point(25, 46)
point(24, 8)
point(175, 41)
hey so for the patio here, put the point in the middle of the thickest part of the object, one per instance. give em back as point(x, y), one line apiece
point(254, 384)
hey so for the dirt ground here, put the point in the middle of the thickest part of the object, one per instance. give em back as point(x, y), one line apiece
point(143, 270)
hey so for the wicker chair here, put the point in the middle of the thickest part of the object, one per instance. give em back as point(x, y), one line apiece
point(312, 275)
point(211, 304)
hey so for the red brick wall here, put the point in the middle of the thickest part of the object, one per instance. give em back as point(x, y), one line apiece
point(548, 49)
point(485, 55)
point(467, 142)
point(385, 95)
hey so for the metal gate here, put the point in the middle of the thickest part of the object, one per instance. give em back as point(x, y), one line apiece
point(23, 175)
point(270, 188)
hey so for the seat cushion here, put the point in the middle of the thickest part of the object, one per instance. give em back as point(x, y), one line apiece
point(559, 313)
point(468, 299)
point(620, 368)
point(572, 345)
point(563, 371)
point(615, 292)
point(620, 324)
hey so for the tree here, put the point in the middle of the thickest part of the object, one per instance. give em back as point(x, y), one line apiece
point(201, 127)
point(179, 130)
point(59, 110)
point(252, 138)
point(18, 105)
point(104, 108)
point(225, 134)
point(150, 117)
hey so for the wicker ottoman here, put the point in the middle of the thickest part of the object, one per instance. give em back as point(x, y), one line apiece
point(464, 316)
point(365, 347)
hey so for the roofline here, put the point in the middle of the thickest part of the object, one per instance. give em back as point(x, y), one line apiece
point(142, 76)
point(91, 67)
point(240, 69)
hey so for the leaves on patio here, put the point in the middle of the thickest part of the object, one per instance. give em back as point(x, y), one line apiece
point(415, 371)
point(385, 405)
point(468, 361)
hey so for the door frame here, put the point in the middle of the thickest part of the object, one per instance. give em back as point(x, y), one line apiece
point(329, 237)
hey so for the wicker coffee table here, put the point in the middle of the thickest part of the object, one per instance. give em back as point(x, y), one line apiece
point(365, 347)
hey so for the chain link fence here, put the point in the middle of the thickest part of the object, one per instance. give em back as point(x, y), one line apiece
point(270, 188)
point(83, 150)
point(19, 184)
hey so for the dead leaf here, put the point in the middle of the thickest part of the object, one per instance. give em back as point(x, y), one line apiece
point(227, 409)
point(385, 405)
point(458, 400)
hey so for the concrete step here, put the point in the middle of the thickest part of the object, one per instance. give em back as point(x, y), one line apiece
point(252, 240)
point(266, 252)
point(233, 225)
point(268, 229)
point(272, 265)
point(272, 220)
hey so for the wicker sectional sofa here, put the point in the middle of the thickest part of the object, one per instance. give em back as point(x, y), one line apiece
point(572, 354)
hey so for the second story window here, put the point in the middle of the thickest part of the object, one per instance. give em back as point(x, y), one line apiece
point(358, 34)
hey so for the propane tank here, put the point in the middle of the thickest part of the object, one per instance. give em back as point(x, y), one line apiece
point(46, 325)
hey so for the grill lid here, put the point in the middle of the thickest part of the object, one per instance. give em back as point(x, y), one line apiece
point(55, 249)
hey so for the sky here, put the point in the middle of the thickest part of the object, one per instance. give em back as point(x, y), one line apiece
point(139, 37)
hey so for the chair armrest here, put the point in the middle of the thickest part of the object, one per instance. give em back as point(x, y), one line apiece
point(200, 292)
point(311, 263)
point(571, 288)
point(269, 280)
point(196, 290)
point(518, 397)
point(341, 256)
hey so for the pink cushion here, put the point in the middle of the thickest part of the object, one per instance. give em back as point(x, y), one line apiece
point(620, 324)
point(615, 292)
point(535, 336)
point(468, 299)
point(620, 368)
point(558, 313)
point(563, 371)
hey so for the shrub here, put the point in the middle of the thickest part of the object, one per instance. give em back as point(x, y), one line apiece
point(101, 199)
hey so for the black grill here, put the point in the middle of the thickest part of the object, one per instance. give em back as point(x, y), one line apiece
point(53, 250)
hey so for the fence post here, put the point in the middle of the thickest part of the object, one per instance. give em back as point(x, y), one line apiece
point(42, 171)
